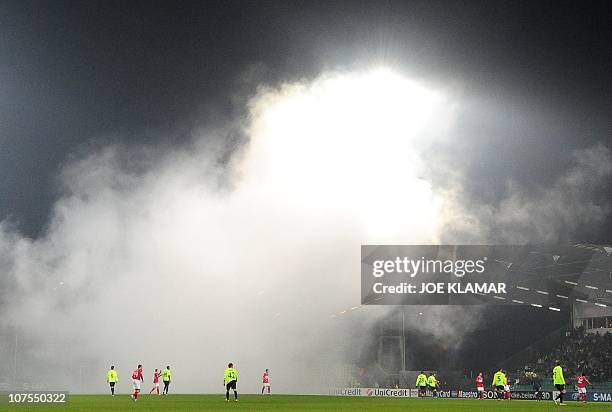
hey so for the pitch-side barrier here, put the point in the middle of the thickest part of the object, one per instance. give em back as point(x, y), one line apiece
point(593, 396)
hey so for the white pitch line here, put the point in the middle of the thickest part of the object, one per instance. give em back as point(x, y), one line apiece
point(555, 309)
point(522, 288)
point(536, 305)
point(517, 301)
point(355, 307)
point(499, 297)
point(541, 292)
point(591, 287)
point(571, 283)
point(562, 297)
point(581, 301)
point(608, 290)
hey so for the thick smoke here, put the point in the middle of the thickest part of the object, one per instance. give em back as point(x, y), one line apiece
point(193, 258)
point(570, 207)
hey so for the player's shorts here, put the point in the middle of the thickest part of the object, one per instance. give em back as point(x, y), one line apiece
point(499, 387)
point(156, 384)
point(507, 388)
point(560, 388)
point(480, 388)
point(230, 385)
point(136, 383)
point(582, 390)
point(266, 384)
point(112, 384)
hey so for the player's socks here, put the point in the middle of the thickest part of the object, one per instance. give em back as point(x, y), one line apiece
point(235, 395)
point(227, 395)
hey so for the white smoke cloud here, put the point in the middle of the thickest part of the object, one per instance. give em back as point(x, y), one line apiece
point(177, 256)
point(571, 204)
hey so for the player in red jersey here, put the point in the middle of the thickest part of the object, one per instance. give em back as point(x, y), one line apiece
point(266, 382)
point(137, 378)
point(156, 376)
point(507, 392)
point(581, 386)
point(480, 385)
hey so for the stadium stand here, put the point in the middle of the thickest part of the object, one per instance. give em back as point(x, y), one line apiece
point(579, 351)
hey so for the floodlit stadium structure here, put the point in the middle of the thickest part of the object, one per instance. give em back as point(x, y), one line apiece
point(554, 293)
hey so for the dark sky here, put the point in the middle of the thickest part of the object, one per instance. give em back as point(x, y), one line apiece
point(151, 71)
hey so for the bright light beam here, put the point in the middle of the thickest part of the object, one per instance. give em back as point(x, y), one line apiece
point(353, 143)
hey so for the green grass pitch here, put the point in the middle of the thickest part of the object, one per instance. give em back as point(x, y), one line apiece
point(301, 403)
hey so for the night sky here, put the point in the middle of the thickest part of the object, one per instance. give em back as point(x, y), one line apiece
point(73, 74)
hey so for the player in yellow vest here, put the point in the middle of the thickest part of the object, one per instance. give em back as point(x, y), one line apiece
point(559, 382)
point(432, 382)
point(499, 379)
point(112, 378)
point(421, 384)
point(166, 378)
point(230, 378)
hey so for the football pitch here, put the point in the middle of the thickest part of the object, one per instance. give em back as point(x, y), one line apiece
point(295, 402)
